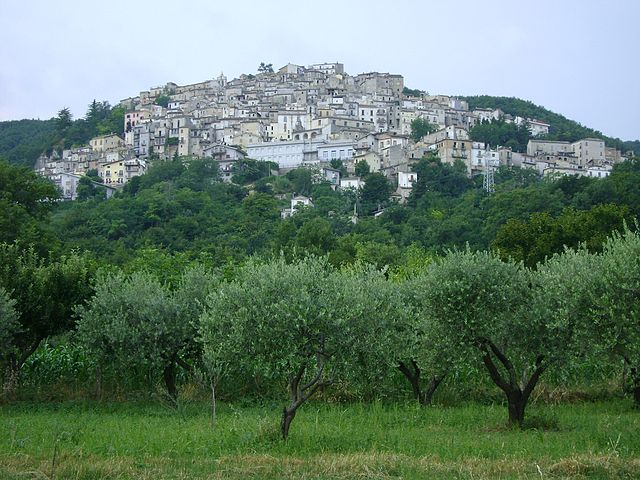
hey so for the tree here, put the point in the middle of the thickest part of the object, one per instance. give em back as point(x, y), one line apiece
point(64, 120)
point(412, 92)
point(9, 328)
point(87, 189)
point(434, 176)
point(45, 293)
point(537, 239)
point(484, 306)
point(376, 192)
point(421, 127)
point(25, 202)
point(301, 180)
point(614, 310)
point(265, 68)
point(498, 132)
point(315, 236)
point(248, 171)
point(418, 345)
point(162, 100)
point(337, 164)
point(362, 168)
point(135, 320)
point(292, 323)
point(97, 112)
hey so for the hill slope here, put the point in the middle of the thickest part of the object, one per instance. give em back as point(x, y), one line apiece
point(561, 127)
point(22, 141)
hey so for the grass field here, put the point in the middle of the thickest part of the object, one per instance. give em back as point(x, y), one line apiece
point(150, 441)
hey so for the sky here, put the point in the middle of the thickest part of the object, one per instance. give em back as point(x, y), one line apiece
point(576, 58)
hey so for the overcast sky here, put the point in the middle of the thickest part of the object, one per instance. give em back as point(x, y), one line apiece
point(577, 58)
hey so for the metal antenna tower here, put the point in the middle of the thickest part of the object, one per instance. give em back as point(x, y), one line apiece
point(488, 182)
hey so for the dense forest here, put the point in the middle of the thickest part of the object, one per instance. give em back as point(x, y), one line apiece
point(181, 207)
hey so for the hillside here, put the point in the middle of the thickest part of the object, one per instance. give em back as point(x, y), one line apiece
point(22, 141)
point(561, 128)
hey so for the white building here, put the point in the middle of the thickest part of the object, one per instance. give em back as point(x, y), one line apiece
point(407, 179)
point(285, 154)
point(599, 172)
point(351, 182)
point(336, 151)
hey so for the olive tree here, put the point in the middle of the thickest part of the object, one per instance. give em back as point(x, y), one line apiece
point(135, 320)
point(484, 306)
point(614, 304)
point(416, 342)
point(295, 323)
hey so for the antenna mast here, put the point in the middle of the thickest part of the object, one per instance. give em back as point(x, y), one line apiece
point(488, 182)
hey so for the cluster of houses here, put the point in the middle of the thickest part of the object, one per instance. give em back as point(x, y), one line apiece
point(308, 116)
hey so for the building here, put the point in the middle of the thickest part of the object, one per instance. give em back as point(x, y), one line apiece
point(589, 151)
point(285, 154)
point(105, 142)
point(351, 182)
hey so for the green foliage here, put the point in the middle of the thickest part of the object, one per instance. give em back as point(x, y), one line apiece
point(315, 236)
point(613, 326)
point(296, 324)
point(337, 164)
point(9, 328)
point(64, 120)
point(500, 133)
point(301, 180)
point(561, 127)
point(434, 176)
point(88, 190)
point(505, 314)
point(265, 67)
point(362, 168)
point(25, 202)
point(101, 119)
point(162, 100)
point(247, 170)
point(412, 92)
point(23, 141)
point(421, 127)
point(539, 237)
point(136, 321)
point(45, 292)
point(376, 192)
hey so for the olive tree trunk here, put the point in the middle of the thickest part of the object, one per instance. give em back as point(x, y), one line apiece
point(299, 393)
point(634, 376)
point(517, 392)
point(169, 374)
point(413, 374)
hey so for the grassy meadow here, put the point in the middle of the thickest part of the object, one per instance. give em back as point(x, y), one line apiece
point(146, 440)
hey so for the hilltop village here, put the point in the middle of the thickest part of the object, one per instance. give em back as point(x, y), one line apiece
point(312, 116)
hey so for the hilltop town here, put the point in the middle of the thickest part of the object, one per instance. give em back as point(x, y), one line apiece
point(314, 115)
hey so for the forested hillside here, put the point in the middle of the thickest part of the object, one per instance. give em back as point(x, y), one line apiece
point(561, 128)
point(23, 141)
point(184, 208)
